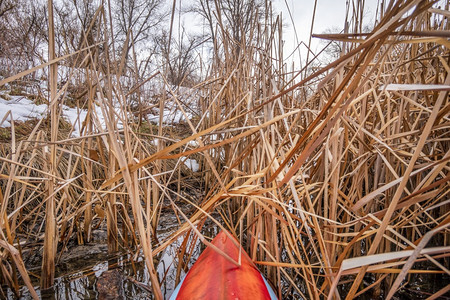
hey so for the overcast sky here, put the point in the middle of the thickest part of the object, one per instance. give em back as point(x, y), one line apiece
point(330, 14)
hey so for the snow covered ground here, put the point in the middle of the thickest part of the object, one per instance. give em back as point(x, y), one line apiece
point(20, 108)
point(171, 115)
point(191, 164)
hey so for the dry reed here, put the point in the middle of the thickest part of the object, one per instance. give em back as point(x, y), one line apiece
point(327, 177)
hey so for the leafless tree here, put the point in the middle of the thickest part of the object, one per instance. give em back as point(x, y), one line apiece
point(333, 49)
point(140, 18)
point(5, 6)
point(22, 33)
point(180, 58)
point(234, 18)
point(240, 17)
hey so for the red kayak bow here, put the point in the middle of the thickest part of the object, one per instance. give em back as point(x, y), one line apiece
point(214, 277)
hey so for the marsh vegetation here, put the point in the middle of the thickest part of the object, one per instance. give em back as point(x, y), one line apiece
point(333, 176)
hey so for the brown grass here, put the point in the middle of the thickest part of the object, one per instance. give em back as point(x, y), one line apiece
point(326, 176)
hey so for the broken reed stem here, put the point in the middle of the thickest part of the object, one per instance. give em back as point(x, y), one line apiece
point(51, 235)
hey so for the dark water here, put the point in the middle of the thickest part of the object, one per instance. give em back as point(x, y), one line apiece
point(81, 267)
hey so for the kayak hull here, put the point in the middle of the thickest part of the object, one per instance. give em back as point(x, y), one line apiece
point(214, 277)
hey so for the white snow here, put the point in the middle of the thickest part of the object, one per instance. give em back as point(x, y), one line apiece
point(72, 115)
point(191, 164)
point(171, 115)
point(21, 108)
point(193, 144)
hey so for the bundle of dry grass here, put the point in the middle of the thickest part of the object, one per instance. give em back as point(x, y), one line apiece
point(335, 181)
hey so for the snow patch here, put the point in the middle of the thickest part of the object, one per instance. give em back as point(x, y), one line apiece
point(75, 117)
point(193, 144)
point(22, 109)
point(170, 116)
point(191, 164)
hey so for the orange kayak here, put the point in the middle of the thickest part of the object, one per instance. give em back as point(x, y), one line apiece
point(214, 277)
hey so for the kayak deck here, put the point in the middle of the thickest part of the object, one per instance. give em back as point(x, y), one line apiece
point(215, 277)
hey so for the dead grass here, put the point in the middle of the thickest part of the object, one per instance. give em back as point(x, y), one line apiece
point(326, 179)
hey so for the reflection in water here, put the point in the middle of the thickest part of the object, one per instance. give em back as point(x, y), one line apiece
point(77, 275)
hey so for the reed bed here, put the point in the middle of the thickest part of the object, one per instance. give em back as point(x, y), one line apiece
point(335, 179)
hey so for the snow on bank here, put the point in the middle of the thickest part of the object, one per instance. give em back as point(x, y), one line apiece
point(169, 117)
point(22, 109)
point(171, 114)
point(191, 164)
point(193, 144)
point(75, 117)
